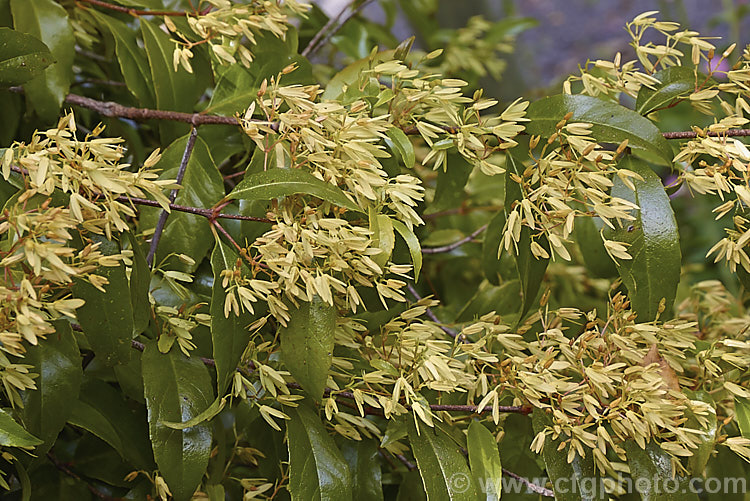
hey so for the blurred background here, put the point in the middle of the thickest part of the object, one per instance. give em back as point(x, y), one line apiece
point(561, 34)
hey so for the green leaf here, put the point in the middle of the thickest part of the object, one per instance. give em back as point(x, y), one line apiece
point(307, 344)
point(530, 269)
point(576, 477)
point(402, 145)
point(484, 459)
point(445, 474)
point(22, 57)
point(651, 470)
point(174, 90)
point(503, 300)
point(211, 412)
point(131, 58)
point(47, 21)
point(383, 238)
point(362, 457)
point(24, 480)
point(140, 278)
point(177, 388)
point(412, 242)
point(107, 318)
point(229, 335)
point(449, 192)
point(595, 256)
point(707, 440)
point(13, 434)
point(317, 469)
point(493, 235)
point(350, 75)
point(676, 82)
point(612, 123)
point(102, 411)
point(654, 271)
point(742, 415)
point(58, 362)
point(202, 186)
point(275, 183)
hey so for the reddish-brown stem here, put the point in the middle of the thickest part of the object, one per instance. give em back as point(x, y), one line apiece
point(139, 12)
point(173, 196)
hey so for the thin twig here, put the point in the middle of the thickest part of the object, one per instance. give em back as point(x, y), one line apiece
point(138, 12)
point(470, 409)
point(329, 30)
point(332, 21)
point(690, 134)
point(434, 317)
point(530, 485)
point(207, 213)
point(165, 214)
point(454, 245)
point(64, 468)
point(112, 109)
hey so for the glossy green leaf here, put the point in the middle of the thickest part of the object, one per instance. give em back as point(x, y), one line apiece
point(611, 123)
point(707, 440)
point(503, 300)
point(58, 363)
point(493, 235)
point(412, 242)
point(47, 20)
point(350, 75)
point(530, 269)
point(654, 243)
point(403, 146)
point(676, 82)
point(102, 411)
point(317, 469)
point(383, 237)
point(238, 86)
point(595, 256)
point(174, 90)
point(13, 434)
point(449, 192)
point(577, 480)
point(411, 488)
point(229, 335)
point(202, 186)
point(131, 58)
point(211, 412)
point(742, 415)
point(484, 459)
point(442, 465)
point(362, 457)
point(24, 480)
point(275, 183)
point(107, 318)
point(651, 470)
point(177, 388)
point(307, 344)
point(22, 57)
point(140, 278)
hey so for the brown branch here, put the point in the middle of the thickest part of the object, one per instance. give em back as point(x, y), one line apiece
point(332, 27)
point(454, 245)
point(112, 109)
point(530, 485)
point(173, 196)
point(207, 213)
point(434, 317)
point(138, 12)
point(471, 409)
point(66, 470)
point(692, 134)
